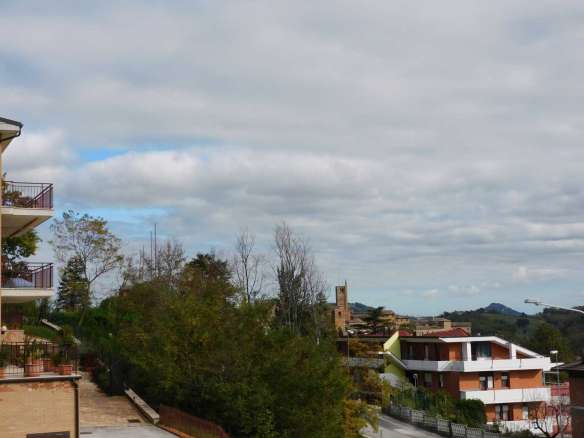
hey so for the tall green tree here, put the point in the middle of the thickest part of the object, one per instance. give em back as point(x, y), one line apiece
point(198, 349)
point(90, 241)
point(374, 317)
point(546, 338)
point(73, 291)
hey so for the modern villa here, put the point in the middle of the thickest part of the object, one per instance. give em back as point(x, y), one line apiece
point(37, 397)
point(506, 377)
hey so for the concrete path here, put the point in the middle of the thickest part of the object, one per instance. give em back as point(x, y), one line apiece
point(389, 427)
point(97, 409)
point(139, 431)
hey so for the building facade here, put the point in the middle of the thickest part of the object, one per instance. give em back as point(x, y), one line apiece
point(37, 398)
point(576, 375)
point(507, 378)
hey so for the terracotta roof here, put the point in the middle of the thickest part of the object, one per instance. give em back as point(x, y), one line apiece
point(451, 333)
point(404, 333)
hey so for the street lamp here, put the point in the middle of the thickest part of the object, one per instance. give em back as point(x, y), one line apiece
point(553, 306)
point(560, 419)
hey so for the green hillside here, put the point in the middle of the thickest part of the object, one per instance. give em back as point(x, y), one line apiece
point(550, 330)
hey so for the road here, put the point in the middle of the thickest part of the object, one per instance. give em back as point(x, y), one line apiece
point(389, 427)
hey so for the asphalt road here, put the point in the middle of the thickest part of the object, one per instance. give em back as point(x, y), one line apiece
point(391, 428)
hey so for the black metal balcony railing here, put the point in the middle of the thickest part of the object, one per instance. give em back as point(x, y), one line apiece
point(27, 275)
point(27, 195)
point(37, 358)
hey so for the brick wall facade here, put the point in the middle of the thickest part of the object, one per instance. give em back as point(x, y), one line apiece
point(577, 401)
point(37, 407)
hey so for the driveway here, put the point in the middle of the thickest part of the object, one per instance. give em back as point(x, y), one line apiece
point(389, 427)
point(138, 431)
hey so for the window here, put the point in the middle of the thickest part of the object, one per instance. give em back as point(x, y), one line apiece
point(525, 412)
point(486, 381)
point(505, 380)
point(502, 412)
point(428, 380)
point(426, 352)
point(441, 380)
point(481, 350)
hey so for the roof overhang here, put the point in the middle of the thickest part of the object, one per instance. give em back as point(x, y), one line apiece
point(9, 129)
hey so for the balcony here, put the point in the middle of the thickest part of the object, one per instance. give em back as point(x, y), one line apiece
point(26, 281)
point(520, 395)
point(37, 359)
point(25, 206)
point(536, 363)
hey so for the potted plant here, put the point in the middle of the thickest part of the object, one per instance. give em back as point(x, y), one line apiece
point(63, 364)
point(3, 361)
point(33, 364)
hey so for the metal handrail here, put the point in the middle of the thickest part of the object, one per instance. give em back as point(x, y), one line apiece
point(27, 275)
point(27, 195)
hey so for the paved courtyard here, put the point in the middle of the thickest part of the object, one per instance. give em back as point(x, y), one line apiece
point(96, 409)
point(101, 416)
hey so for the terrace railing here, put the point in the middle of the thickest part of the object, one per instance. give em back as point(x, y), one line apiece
point(37, 359)
point(27, 275)
point(27, 195)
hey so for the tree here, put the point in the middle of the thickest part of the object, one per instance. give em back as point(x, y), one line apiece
point(374, 317)
point(73, 292)
point(548, 416)
point(19, 247)
point(247, 267)
point(301, 287)
point(546, 338)
point(89, 240)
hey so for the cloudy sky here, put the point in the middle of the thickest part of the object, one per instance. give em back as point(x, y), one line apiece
point(431, 151)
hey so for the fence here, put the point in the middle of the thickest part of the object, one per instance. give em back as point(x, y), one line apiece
point(27, 195)
point(189, 425)
point(27, 275)
point(437, 424)
point(36, 358)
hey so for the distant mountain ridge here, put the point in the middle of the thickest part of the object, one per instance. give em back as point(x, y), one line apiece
point(360, 308)
point(501, 309)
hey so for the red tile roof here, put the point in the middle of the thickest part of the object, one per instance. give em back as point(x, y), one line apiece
point(451, 333)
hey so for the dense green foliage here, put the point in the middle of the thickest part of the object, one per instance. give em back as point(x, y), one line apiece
point(20, 247)
point(442, 404)
point(194, 347)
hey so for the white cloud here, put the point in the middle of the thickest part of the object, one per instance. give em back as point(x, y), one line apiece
point(417, 147)
point(527, 274)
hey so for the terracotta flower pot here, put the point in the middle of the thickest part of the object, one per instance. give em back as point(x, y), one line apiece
point(33, 368)
point(48, 366)
point(66, 369)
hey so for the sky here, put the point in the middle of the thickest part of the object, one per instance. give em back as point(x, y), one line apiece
point(431, 152)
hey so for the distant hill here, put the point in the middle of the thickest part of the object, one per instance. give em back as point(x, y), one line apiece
point(501, 309)
point(359, 308)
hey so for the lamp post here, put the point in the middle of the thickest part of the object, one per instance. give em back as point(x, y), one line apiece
point(553, 306)
point(560, 419)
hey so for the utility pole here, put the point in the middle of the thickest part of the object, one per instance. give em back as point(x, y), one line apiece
point(560, 419)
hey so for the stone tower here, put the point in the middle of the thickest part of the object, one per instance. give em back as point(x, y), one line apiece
point(342, 310)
